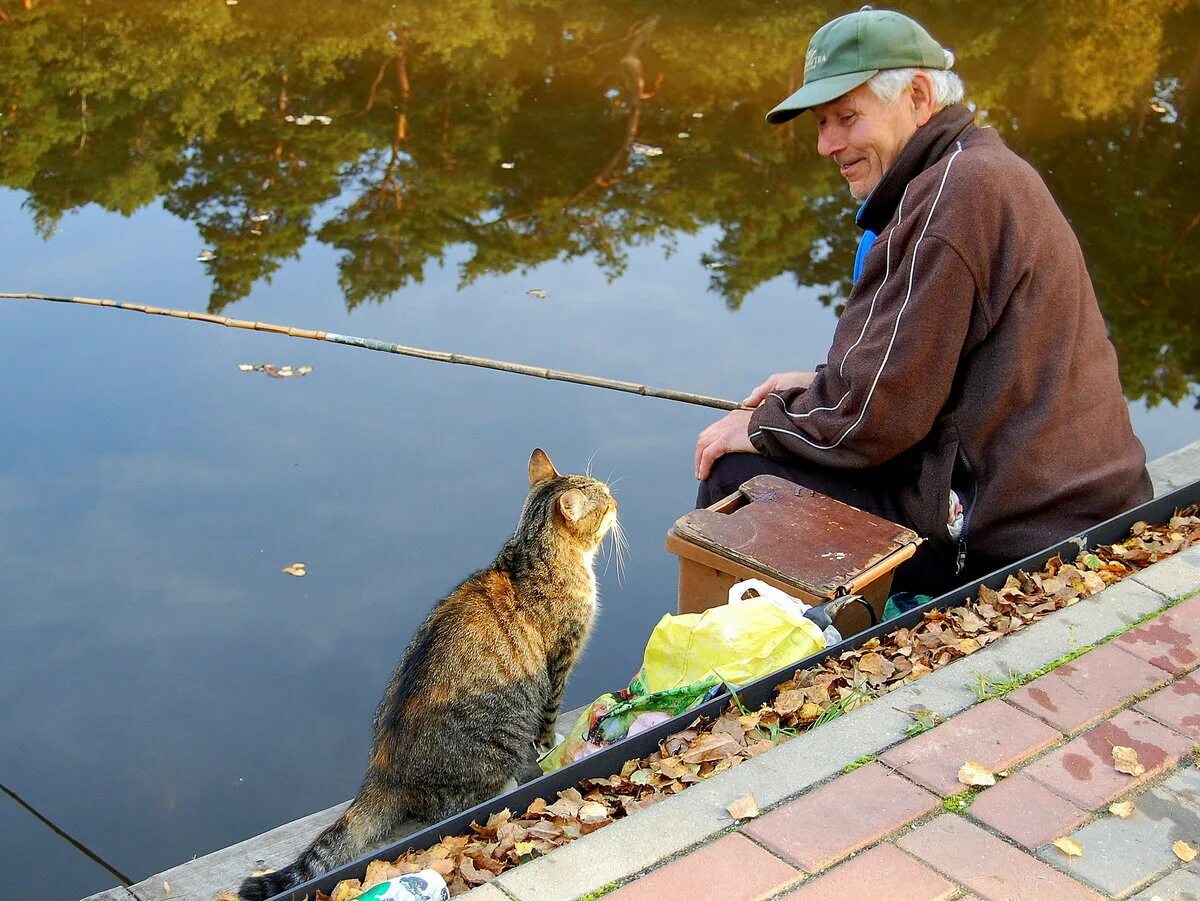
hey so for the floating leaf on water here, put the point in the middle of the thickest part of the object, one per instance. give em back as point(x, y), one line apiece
point(697, 115)
point(1121, 809)
point(743, 808)
point(975, 773)
point(289, 118)
point(1184, 851)
point(641, 149)
point(324, 120)
point(276, 372)
point(1125, 760)
point(304, 120)
point(1068, 846)
point(539, 293)
point(683, 134)
point(296, 569)
point(508, 165)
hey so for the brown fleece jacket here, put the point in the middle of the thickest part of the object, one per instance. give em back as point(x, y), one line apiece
point(971, 355)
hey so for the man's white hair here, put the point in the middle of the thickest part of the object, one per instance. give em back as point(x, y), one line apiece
point(889, 84)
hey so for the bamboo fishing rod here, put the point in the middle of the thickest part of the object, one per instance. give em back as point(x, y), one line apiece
point(558, 375)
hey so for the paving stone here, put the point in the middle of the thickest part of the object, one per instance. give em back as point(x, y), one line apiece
point(485, 892)
point(1182, 885)
point(995, 734)
point(1177, 706)
point(883, 872)
point(1121, 855)
point(986, 865)
point(1174, 577)
point(732, 868)
point(1083, 691)
point(1026, 811)
point(1170, 641)
point(842, 816)
point(1082, 770)
point(1176, 469)
point(944, 692)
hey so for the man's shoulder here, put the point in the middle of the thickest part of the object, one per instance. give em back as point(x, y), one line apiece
point(978, 175)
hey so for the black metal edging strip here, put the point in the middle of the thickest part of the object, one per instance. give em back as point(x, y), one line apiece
point(609, 760)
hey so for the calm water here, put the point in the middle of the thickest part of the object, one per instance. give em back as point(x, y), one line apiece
point(164, 689)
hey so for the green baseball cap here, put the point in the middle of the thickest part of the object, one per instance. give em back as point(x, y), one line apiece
point(851, 49)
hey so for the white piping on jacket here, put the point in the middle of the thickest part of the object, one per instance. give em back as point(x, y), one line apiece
point(895, 329)
point(887, 269)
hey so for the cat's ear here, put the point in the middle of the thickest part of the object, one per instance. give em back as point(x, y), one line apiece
point(574, 505)
point(540, 467)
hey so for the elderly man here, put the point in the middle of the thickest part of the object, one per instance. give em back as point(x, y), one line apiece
point(971, 391)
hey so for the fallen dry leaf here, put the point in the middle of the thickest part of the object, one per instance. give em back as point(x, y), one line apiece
point(743, 808)
point(1125, 760)
point(592, 812)
point(1121, 809)
point(296, 569)
point(975, 773)
point(1184, 851)
point(1068, 846)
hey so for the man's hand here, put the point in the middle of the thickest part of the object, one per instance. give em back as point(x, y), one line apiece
point(722, 437)
point(778, 382)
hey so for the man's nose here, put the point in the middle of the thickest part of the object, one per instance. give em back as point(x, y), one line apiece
point(830, 141)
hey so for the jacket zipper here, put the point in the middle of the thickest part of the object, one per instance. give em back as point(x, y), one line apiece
point(961, 560)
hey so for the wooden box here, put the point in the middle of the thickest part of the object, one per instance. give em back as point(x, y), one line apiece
point(802, 542)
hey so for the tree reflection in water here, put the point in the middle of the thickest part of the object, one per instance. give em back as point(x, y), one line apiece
point(520, 130)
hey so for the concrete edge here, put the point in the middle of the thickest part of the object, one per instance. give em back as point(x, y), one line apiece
point(1176, 469)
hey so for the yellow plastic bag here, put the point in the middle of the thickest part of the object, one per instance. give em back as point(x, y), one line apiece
point(739, 642)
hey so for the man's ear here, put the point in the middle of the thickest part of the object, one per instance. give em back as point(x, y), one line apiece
point(924, 105)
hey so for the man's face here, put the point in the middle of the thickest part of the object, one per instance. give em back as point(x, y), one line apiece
point(864, 136)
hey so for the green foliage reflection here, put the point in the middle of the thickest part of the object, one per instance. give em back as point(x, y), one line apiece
point(524, 131)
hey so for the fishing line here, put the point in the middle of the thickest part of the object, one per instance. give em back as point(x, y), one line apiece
point(80, 846)
point(557, 375)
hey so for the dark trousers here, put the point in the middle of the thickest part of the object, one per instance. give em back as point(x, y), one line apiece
point(931, 570)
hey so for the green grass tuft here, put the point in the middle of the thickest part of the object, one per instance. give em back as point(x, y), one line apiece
point(960, 802)
point(862, 761)
point(599, 892)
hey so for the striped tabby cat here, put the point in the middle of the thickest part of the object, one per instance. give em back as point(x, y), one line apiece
point(477, 692)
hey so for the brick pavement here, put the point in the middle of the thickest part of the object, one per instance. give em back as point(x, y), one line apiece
point(901, 826)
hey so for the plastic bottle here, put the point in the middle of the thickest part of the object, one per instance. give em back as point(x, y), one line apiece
point(424, 885)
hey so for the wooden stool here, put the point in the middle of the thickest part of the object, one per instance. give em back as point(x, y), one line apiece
point(809, 545)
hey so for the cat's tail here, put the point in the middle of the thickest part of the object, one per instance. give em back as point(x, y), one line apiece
point(367, 823)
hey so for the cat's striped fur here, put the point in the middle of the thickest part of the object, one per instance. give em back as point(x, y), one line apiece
point(478, 689)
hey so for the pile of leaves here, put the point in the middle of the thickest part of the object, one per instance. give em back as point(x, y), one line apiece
point(813, 696)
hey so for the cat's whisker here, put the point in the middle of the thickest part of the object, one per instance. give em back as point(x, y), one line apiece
point(588, 469)
point(620, 546)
